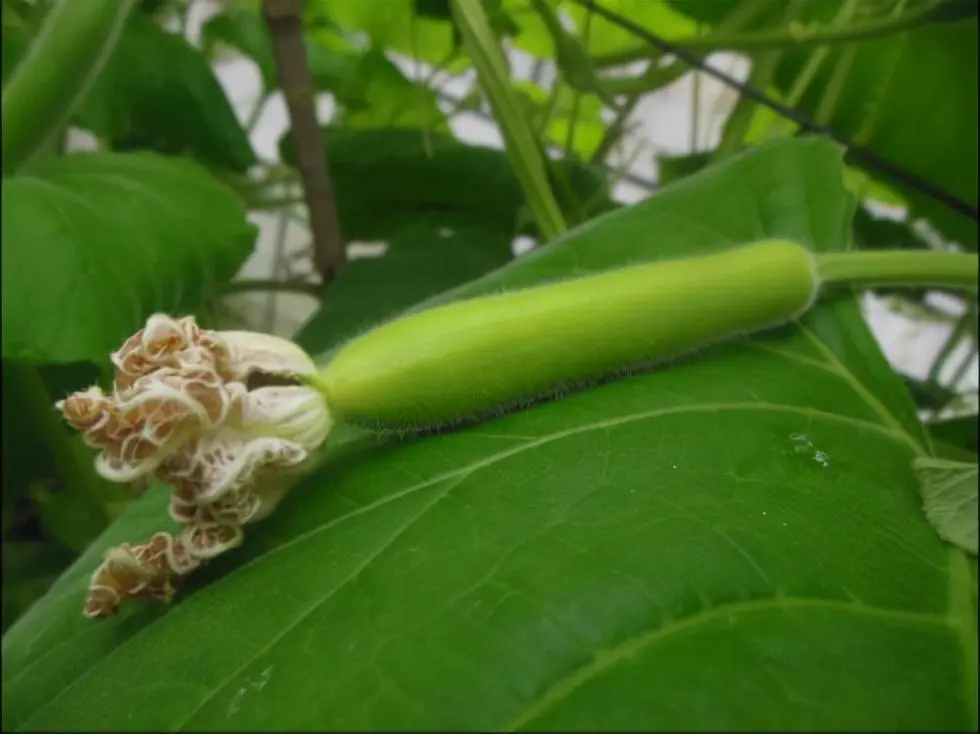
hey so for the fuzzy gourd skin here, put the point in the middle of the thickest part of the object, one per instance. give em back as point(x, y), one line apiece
point(465, 359)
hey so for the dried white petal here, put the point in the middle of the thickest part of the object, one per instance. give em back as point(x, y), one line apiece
point(255, 352)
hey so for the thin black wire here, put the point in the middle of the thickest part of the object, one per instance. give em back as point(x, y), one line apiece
point(860, 153)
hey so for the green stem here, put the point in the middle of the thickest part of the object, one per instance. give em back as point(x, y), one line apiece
point(952, 270)
point(763, 70)
point(523, 148)
point(738, 123)
point(615, 130)
point(75, 40)
point(654, 78)
point(835, 85)
point(792, 35)
point(809, 72)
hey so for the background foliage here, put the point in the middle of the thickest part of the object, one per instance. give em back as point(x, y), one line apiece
point(737, 541)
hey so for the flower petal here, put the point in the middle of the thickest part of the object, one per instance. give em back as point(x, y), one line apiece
point(255, 352)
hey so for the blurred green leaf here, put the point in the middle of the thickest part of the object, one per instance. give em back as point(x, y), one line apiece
point(554, 114)
point(952, 10)
point(386, 98)
point(66, 516)
point(333, 67)
point(879, 233)
point(29, 568)
point(735, 542)
point(16, 39)
point(392, 25)
point(927, 395)
point(131, 234)
point(672, 168)
point(370, 90)
point(960, 431)
point(949, 494)
point(910, 97)
point(27, 453)
point(159, 92)
point(913, 100)
point(607, 38)
point(385, 179)
point(420, 262)
point(604, 37)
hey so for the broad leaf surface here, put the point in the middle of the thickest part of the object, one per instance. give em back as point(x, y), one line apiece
point(385, 179)
point(420, 262)
point(734, 542)
point(913, 100)
point(131, 234)
point(909, 97)
point(157, 91)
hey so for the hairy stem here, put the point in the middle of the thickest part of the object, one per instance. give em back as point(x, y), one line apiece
point(919, 269)
point(71, 47)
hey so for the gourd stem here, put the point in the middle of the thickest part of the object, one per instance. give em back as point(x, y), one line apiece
point(952, 270)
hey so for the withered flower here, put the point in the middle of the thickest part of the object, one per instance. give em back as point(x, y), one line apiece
point(148, 570)
point(218, 415)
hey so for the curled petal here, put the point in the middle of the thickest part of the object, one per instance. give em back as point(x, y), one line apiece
point(144, 570)
point(219, 464)
point(158, 414)
point(183, 507)
point(168, 342)
point(297, 414)
point(87, 411)
point(207, 540)
point(252, 352)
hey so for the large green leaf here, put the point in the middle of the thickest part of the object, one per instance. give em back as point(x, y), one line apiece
point(157, 91)
point(94, 243)
point(910, 97)
point(913, 100)
point(387, 178)
point(733, 543)
point(370, 290)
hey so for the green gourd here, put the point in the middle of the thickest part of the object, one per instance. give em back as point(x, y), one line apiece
point(466, 359)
